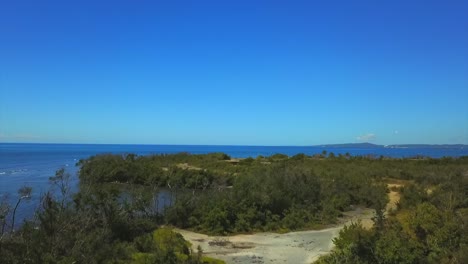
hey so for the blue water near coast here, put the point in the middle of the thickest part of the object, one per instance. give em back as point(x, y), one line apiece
point(33, 164)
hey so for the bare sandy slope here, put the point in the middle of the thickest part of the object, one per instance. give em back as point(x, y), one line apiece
point(295, 247)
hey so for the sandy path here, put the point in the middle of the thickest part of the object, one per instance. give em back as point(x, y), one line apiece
point(393, 196)
point(295, 247)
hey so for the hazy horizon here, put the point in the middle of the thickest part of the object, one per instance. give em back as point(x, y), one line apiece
point(221, 145)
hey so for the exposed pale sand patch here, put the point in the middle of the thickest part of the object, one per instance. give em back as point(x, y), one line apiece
point(295, 247)
point(363, 215)
point(186, 166)
point(393, 196)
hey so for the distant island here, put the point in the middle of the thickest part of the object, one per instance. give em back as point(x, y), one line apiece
point(370, 146)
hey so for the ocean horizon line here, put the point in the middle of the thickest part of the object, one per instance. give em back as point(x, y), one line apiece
point(238, 145)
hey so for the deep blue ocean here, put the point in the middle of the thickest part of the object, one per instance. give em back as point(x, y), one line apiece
point(33, 164)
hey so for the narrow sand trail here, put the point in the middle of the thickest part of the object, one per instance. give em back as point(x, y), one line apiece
point(393, 196)
point(294, 247)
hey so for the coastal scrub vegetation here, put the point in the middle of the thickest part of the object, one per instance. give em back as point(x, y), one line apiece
point(429, 225)
point(126, 204)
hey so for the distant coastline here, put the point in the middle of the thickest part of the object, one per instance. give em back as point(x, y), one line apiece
point(370, 145)
point(365, 145)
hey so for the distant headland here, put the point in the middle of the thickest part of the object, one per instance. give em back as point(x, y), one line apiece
point(370, 145)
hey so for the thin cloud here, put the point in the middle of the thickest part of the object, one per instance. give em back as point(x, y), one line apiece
point(367, 137)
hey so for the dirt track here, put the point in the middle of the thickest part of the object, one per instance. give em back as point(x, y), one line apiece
point(295, 247)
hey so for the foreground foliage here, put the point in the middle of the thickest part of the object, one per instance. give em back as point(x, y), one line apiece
point(430, 226)
point(96, 225)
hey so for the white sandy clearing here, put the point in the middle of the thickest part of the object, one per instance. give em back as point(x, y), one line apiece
point(295, 247)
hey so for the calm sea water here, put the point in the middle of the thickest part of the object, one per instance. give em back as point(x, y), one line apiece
point(33, 164)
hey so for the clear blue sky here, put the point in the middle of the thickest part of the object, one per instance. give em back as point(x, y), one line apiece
point(234, 72)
